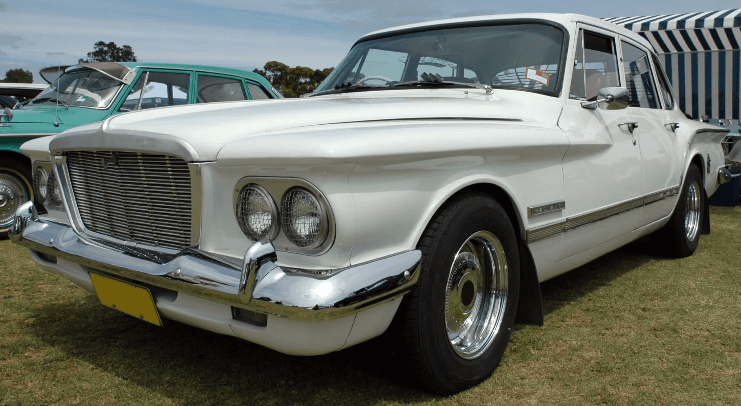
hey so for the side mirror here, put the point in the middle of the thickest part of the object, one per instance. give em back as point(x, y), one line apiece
point(610, 98)
point(8, 113)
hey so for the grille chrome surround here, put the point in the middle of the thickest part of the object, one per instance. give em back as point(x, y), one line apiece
point(133, 197)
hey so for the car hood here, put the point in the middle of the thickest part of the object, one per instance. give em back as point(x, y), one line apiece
point(51, 114)
point(199, 132)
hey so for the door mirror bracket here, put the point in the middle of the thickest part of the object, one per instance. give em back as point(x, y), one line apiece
point(609, 98)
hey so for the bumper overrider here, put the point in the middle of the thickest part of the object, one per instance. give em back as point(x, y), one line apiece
point(293, 311)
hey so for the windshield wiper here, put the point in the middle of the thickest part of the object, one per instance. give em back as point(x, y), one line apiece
point(434, 79)
point(348, 87)
point(43, 99)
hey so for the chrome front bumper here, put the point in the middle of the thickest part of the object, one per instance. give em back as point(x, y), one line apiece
point(258, 284)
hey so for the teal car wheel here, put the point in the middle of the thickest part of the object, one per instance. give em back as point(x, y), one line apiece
point(15, 189)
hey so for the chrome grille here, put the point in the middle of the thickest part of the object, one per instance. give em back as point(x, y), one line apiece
point(142, 198)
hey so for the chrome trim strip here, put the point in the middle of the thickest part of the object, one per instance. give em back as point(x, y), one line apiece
point(261, 286)
point(549, 207)
point(572, 223)
point(29, 135)
point(195, 204)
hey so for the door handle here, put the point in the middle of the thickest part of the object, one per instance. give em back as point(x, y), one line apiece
point(672, 126)
point(631, 126)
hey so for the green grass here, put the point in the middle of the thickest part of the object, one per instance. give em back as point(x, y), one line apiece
point(630, 328)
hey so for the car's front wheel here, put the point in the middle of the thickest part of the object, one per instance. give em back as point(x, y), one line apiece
point(456, 323)
point(15, 189)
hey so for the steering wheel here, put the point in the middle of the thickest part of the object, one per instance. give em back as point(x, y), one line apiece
point(363, 80)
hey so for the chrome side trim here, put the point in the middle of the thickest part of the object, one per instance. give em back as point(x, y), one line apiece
point(195, 204)
point(25, 135)
point(261, 286)
point(572, 223)
point(550, 207)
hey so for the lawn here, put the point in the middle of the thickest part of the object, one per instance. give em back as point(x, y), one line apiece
point(629, 328)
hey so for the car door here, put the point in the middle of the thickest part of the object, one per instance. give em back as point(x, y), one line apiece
point(656, 138)
point(603, 178)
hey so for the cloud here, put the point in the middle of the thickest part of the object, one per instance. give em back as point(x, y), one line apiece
point(3, 53)
point(11, 40)
point(55, 54)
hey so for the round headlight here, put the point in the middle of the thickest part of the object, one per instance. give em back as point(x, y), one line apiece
point(40, 185)
point(303, 219)
point(256, 213)
point(55, 192)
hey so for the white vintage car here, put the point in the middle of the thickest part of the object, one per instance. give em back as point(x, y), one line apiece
point(433, 180)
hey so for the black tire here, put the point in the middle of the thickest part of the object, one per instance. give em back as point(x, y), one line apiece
point(422, 322)
point(679, 238)
point(15, 189)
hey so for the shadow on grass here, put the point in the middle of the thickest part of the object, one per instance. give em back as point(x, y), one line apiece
point(601, 272)
point(198, 367)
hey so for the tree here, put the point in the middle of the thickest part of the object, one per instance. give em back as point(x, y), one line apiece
point(110, 53)
point(293, 82)
point(18, 76)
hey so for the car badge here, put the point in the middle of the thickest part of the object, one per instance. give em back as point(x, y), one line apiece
point(110, 162)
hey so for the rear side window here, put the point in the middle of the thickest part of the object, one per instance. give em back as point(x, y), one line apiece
point(664, 86)
point(216, 89)
point(257, 92)
point(638, 78)
point(595, 66)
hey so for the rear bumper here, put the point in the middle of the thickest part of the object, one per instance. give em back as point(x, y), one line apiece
point(206, 291)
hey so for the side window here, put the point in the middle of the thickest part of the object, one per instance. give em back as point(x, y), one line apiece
point(664, 85)
point(638, 78)
point(159, 89)
point(257, 92)
point(216, 89)
point(595, 66)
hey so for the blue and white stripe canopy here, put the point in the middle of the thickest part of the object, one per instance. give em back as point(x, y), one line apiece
point(702, 56)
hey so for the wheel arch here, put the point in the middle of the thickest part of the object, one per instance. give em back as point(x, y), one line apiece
point(530, 303)
point(18, 156)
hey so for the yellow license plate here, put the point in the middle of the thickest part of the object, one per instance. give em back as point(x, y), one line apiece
point(131, 299)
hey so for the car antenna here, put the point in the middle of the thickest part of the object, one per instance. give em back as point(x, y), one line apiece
point(56, 110)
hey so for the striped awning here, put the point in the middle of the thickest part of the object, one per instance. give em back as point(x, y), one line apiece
point(692, 32)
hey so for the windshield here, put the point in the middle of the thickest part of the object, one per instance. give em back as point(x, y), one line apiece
point(524, 56)
point(80, 87)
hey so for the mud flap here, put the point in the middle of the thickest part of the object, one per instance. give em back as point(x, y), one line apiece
point(705, 226)
point(530, 304)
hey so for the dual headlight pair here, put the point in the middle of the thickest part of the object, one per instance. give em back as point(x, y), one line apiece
point(303, 215)
point(46, 187)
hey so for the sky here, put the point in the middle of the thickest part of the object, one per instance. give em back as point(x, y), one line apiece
point(246, 34)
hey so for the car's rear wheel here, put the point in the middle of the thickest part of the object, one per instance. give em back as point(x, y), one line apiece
point(680, 236)
point(457, 321)
point(15, 189)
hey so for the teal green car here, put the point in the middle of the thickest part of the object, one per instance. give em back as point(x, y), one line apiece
point(92, 92)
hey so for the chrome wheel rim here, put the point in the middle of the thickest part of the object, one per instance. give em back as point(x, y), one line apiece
point(693, 207)
point(476, 294)
point(12, 196)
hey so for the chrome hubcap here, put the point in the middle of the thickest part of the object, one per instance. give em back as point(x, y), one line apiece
point(693, 207)
point(12, 195)
point(476, 294)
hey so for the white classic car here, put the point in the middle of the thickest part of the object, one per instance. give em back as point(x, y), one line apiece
point(433, 180)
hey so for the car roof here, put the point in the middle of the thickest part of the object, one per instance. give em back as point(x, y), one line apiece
point(201, 68)
point(566, 20)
